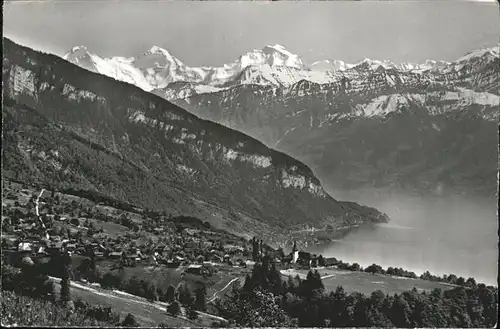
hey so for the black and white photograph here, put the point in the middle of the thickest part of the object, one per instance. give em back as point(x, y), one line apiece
point(204, 164)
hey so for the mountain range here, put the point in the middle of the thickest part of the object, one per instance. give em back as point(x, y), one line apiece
point(69, 128)
point(156, 69)
point(429, 127)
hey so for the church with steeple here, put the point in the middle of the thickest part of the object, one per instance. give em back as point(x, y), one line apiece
point(295, 253)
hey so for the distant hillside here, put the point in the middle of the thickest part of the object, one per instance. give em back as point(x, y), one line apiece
point(69, 127)
point(425, 128)
point(432, 132)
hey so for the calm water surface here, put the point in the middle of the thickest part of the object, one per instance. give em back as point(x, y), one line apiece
point(441, 235)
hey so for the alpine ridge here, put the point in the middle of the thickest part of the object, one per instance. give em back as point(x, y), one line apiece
point(445, 120)
point(70, 128)
point(332, 105)
point(158, 71)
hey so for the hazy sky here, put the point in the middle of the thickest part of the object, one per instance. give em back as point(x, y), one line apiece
point(213, 33)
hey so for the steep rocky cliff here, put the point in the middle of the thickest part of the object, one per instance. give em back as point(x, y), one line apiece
point(69, 127)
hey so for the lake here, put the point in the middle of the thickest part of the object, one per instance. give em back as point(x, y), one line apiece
point(441, 235)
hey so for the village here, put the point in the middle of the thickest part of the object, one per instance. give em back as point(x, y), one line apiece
point(41, 224)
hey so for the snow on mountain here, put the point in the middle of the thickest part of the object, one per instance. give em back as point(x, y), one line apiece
point(80, 56)
point(275, 55)
point(492, 51)
point(435, 103)
point(157, 69)
point(330, 65)
point(372, 65)
point(473, 58)
point(119, 68)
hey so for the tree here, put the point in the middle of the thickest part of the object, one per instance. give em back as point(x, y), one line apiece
point(91, 229)
point(360, 314)
point(318, 284)
point(191, 313)
point(110, 281)
point(93, 268)
point(460, 281)
point(374, 268)
point(56, 230)
point(339, 316)
point(65, 281)
point(355, 267)
point(84, 267)
point(377, 298)
point(452, 278)
point(471, 282)
point(248, 284)
point(200, 298)
point(65, 290)
point(255, 309)
point(313, 282)
point(152, 292)
point(321, 261)
point(400, 312)
point(275, 281)
point(174, 308)
point(375, 318)
point(185, 296)
point(281, 253)
point(170, 296)
point(130, 321)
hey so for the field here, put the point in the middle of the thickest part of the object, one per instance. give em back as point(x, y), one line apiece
point(145, 312)
point(164, 276)
point(366, 283)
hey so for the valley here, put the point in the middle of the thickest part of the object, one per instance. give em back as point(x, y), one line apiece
point(144, 151)
point(137, 255)
point(172, 164)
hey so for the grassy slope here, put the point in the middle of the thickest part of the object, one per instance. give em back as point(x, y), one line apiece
point(146, 313)
point(164, 276)
point(366, 283)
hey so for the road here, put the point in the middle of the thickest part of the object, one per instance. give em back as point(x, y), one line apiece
point(306, 230)
point(37, 200)
point(214, 296)
point(38, 213)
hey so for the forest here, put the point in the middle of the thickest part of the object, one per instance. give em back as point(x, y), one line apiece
point(266, 300)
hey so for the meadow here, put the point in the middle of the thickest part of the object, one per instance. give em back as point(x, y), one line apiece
point(366, 283)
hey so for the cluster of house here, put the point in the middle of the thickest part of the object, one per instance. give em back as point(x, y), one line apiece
point(190, 247)
point(198, 250)
point(307, 260)
point(295, 259)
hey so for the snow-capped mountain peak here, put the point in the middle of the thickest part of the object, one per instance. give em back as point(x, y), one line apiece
point(78, 49)
point(76, 52)
point(273, 65)
point(374, 64)
point(156, 49)
point(280, 48)
point(335, 65)
point(275, 55)
point(80, 56)
point(156, 57)
point(489, 51)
